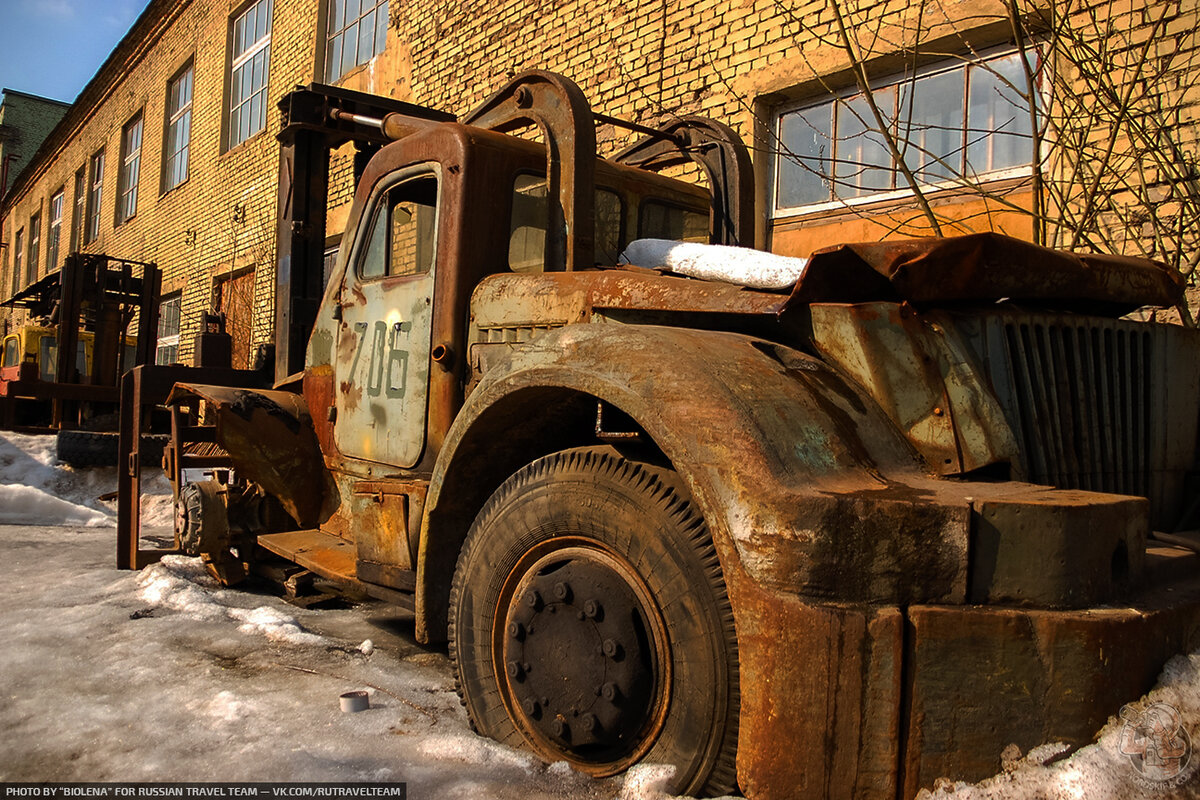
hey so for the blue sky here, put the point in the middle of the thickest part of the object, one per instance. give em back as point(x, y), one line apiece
point(54, 47)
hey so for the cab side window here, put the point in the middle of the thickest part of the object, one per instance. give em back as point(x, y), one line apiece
point(403, 232)
point(530, 215)
point(12, 355)
point(659, 220)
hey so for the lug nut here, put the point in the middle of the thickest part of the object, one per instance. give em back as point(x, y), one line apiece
point(589, 722)
point(515, 671)
point(562, 591)
point(610, 692)
point(516, 630)
point(533, 599)
point(532, 709)
point(560, 729)
point(612, 649)
point(591, 608)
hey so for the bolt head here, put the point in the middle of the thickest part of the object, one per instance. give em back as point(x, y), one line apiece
point(515, 671)
point(610, 692)
point(532, 708)
point(562, 591)
point(560, 729)
point(591, 608)
point(516, 630)
point(533, 599)
point(589, 722)
point(612, 648)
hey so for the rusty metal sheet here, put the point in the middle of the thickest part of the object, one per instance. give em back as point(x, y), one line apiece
point(984, 267)
point(982, 678)
point(328, 556)
point(924, 379)
point(834, 698)
point(271, 441)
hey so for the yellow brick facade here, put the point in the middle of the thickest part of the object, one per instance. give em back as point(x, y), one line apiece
point(644, 60)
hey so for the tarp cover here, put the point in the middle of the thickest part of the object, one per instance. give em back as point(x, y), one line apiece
point(983, 267)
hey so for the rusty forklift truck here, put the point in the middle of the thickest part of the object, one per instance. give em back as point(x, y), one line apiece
point(837, 541)
point(86, 308)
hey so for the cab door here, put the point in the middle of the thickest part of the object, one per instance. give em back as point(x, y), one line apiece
point(385, 334)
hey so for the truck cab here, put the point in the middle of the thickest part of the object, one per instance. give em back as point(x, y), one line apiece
point(897, 514)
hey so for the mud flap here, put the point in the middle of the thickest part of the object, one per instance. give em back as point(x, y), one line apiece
point(270, 439)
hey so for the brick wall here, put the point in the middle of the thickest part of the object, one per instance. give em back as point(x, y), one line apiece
point(25, 121)
point(645, 60)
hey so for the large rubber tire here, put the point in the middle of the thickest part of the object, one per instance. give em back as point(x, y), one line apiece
point(86, 448)
point(99, 448)
point(589, 622)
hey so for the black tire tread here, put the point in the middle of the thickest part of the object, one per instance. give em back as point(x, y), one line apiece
point(662, 487)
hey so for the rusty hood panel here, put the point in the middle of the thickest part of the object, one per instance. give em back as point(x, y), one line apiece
point(269, 435)
point(983, 267)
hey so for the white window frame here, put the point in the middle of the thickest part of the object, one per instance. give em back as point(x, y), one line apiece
point(132, 134)
point(898, 190)
point(35, 245)
point(176, 143)
point(338, 27)
point(54, 234)
point(79, 220)
point(95, 197)
point(251, 105)
point(168, 342)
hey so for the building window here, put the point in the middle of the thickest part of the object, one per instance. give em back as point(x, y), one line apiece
point(131, 161)
point(18, 252)
point(54, 235)
point(95, 195)
point(356, 33)
point(80, 213)
point(35, 244)
point(952, 121)
point(167, 351)
point(179, 129)
point(248, 72)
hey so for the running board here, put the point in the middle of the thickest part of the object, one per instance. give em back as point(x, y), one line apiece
point(331, 557)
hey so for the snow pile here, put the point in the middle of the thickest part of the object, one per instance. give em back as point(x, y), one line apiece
point(183, 585)
point(35, 489)
point(738, 265)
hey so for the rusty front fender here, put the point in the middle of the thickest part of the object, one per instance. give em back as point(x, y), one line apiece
point(270, 439)
point(803, 481)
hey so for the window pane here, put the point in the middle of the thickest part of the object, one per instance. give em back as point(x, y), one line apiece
point(999, 133)
point(805, 165)
point(414, 210)
point(609, 212)
point(374, 260)
point(366, 37)
point(863, 163)
point(381, 23)
point(663, 221)
point(931, 124)
point(350, 49)
point(527, 225)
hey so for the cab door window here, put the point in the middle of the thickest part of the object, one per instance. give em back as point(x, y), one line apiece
point(401, 238)
point(12, 351)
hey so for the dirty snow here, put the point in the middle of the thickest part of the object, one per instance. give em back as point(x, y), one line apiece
point(743, 266)
point(165, 675)
point(36, 490)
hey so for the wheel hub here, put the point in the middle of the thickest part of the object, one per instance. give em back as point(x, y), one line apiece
point(580, 661)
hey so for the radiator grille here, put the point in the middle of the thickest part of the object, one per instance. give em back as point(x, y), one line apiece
point(1081, 396)
point(1094, 403)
